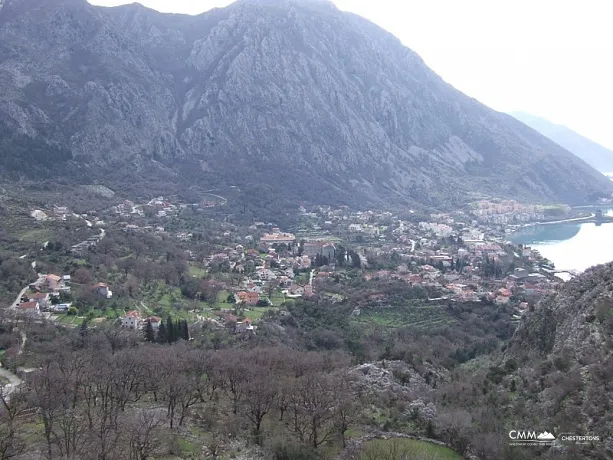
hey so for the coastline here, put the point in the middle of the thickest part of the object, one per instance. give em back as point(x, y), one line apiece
point(574, 219)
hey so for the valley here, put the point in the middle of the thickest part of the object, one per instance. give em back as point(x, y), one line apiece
point(434, 297)
point(270, 231)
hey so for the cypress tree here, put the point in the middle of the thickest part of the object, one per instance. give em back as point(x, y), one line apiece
point(171, 331)
point(183, 330)
point(162, 335)
point(83, 329)
point(149, 333)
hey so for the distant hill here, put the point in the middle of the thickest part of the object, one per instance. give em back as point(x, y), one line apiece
point(597, 156)
point(288, 99)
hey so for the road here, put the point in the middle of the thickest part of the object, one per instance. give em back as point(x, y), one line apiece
point(14, 381)
point(18, 299)
point(576, 219)
point(15, 304)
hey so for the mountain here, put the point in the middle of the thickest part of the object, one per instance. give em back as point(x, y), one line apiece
point(564, 350)
point(597, 156)
point(288, 99)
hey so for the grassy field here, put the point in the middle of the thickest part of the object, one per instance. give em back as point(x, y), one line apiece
point(221, 301)
point(39, 235)
point(418, 316)
point(196, 272)
point(256, 313)
point(69, 320)
point(399, 448)
point(277, 298)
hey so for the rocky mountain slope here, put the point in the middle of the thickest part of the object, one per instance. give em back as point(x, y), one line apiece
point(285, 97)
point(564, 355)
point(597, 156)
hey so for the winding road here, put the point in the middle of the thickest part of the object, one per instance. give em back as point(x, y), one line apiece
point(5, 374)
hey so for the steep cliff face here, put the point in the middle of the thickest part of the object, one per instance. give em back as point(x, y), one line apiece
point(564, 354)
point(294, 94)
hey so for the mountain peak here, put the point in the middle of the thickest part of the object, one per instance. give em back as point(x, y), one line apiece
point(316, 104)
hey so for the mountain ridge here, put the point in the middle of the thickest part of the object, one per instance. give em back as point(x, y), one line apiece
point(298, 97)
point(594, 154)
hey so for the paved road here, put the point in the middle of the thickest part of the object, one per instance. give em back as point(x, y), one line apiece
point(15, 304)
point(18, 299)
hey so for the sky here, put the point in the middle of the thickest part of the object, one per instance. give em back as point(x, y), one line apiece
point(550, 58)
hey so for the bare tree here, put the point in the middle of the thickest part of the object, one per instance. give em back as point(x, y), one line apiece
point(259, 395)
point(12, 443)
point(144, 434)
point(456, 425)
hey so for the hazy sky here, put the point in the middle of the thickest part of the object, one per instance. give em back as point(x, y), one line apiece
point(551, 58)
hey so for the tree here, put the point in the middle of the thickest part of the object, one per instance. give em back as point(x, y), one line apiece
point(149, 332)
point(341, 256)
point(143, 430)
point(455, 424)
point(83, 276)
point(171, 330)
point(355, 259)
point(183, 330)
point(84, 330)
point(162, 335)
point(11, 442)
point(259, 395)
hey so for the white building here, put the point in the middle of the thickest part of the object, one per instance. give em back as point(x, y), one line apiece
point(132, 320)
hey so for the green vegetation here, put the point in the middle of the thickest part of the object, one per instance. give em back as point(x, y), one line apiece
point(419, 316)
point(401, 448)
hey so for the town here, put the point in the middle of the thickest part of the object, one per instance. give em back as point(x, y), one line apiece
point(453, 257)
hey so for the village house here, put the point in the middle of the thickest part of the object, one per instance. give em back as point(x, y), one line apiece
point(252, 287)
point(268, 239)
point(132, 320)
point(42, 298)
point(30, 308)
point(266, 275)
point(103, 290)
point(248, 298)
point(284, 282)
point(155, 322)
point(53, 282)
point(322, 248)
point(244, 326)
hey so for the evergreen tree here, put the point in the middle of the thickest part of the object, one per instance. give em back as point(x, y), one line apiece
point(83, 331)
point(149, 332)
point(183, 330)
point(355, 259)
point(171, 330)
point(340, 256)
point(162, 336)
